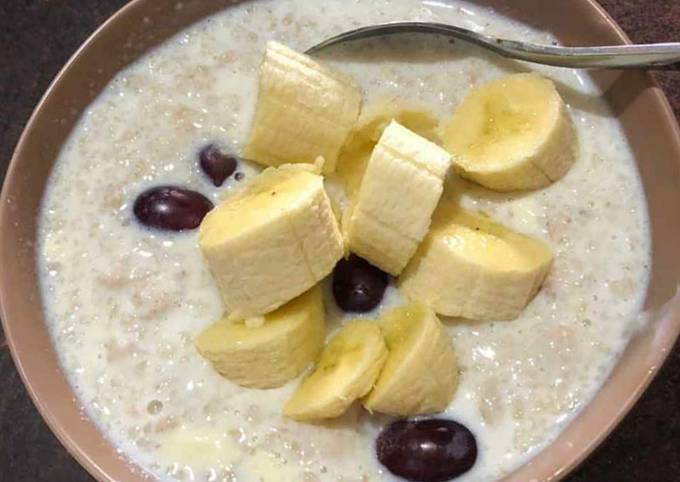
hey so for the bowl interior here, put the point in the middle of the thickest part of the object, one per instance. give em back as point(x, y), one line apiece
point(648, 123)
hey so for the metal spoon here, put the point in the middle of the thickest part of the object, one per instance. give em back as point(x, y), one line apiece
point(608, 57)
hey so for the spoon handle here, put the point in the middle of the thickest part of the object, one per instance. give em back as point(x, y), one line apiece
point(612, 57)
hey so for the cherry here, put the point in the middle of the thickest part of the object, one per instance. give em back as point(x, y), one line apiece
point(171, 208)
point(358, 285)
point(430, 450)
point(216, 165)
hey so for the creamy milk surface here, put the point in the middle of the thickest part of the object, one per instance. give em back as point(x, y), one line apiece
point(124, 302)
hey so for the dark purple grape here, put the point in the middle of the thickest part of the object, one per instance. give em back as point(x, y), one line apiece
point(432, 450)
point(217, 165)
point(358, 285)
point(171, 208)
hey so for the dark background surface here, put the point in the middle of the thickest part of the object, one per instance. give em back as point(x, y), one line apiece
point(36, 39)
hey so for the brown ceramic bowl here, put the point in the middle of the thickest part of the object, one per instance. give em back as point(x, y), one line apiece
point(649, 125)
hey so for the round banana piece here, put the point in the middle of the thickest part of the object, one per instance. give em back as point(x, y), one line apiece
point(511, 134)
point(377, 115)
point(304, 110)
point(271, 243)
point(373, 120)
point(346, 371)
point(274, 351)
point(400, 189)
point(471, 267)
point(420, 375)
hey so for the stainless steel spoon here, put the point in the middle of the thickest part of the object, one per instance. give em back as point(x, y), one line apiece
point(607, 57)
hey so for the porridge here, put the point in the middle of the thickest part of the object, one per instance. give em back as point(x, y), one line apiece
point(125, 302)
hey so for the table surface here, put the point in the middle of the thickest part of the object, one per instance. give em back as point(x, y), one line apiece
point(36, 39)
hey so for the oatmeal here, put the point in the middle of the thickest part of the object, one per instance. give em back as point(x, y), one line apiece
point(125, 302)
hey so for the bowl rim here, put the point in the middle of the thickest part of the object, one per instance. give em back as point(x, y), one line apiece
point(55, 423)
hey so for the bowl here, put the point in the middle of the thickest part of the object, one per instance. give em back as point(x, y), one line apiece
point(648, 122)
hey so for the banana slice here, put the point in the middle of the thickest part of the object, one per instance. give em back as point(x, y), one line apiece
point(469, 266)
point(199, 446)
point(346, 371)
point(352, 164)
point(272, 243)
point(512, 133)
point(420, 375)
point(271, 353)
point(304, 110)
point(399, 191)
point(377, 115)
point(373, 120)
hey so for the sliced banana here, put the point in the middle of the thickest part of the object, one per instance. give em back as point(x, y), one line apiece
point(346, 371)
point(420, 375)
point(471, 267)
point(373, 120)
point(399, 191)
point(271, 243)
point(199, 446)
point(269, 354)
point(377, 115)
point(513, 133)
point(352, 164)
point(304, 110)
